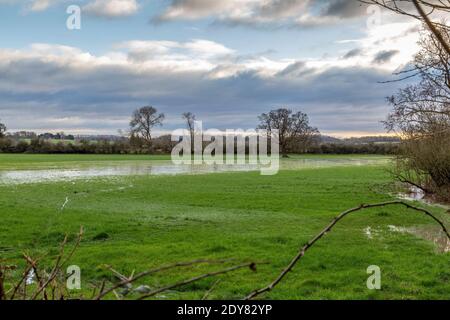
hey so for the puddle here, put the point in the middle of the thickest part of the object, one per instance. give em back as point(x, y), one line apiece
point(160, 168)
point(417, 194)
point(414, 194)
point(55, 175)
point(30, 277)
point(368, 232)
point(436, 236)
point(294, 163)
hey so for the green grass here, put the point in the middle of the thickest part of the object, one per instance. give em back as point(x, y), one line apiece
point(134, 223)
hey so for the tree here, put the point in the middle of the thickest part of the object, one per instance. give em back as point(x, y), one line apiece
point(293, 129)
point(421, 108)
point(2, 130)
point(422, 10)
point(190, 119)
point(421, 115)
point(143, 121)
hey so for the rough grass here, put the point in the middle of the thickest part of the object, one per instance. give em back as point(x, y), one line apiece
point(134, 223)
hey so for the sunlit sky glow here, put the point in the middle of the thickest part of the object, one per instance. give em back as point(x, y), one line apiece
point(227, 61)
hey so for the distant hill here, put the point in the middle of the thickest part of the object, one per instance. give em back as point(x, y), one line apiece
point(329, 139)
point(360, 140)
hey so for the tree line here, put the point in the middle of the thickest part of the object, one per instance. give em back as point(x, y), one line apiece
point(296, 135)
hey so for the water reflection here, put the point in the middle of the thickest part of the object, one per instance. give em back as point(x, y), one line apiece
point(159, 168)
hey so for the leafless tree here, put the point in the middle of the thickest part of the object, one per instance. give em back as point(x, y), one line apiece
point(424, 108)
point(422, 10)
point(2, 130)
point(293, 128)
point(143, 121)
point(190, 119)
point(421, 115)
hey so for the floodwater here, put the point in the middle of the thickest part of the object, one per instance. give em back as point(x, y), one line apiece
point(157, 168)
point(416, 194)
point(438, 237)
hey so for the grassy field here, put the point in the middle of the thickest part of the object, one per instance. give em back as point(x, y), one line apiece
point(138, 222)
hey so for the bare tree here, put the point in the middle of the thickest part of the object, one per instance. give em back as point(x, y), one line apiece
point(2, 130)
point(421, 116)
point(421, 112)
point(424, 108)
point(190, 119)
point(293, 128)
point(143, 121)
point(422, 10)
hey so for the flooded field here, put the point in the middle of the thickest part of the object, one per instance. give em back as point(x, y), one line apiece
point(139, 212)
point(166, 167)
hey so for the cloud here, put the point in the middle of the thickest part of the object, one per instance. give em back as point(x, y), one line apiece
point(353, 53)
point(97, 93)
point(254, 12)
point(41, 5)
point(101, 8)
point(385, 56)
point(112, 8)
point(344, 9)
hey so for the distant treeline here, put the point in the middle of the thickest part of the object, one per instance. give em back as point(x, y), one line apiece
point(164, 145)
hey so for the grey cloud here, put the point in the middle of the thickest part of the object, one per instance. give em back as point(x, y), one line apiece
point(344, 9)
point(385, 56)
point(102, 98)
point(296, 69)
point(288, 13)
point(353, 53)
point(284, 8)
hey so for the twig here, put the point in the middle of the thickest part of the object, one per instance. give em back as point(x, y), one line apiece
point(210, 290)
point(310, 243)
point(155, 270)
point(59, 262)
point(24, 276)
point(2, 278)
point(251, 265)
point(33, 264)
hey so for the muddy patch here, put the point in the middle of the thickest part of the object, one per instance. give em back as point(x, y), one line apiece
point(417, 194)
point(436, 236)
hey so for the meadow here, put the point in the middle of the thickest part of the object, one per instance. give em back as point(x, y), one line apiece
point(134, 223)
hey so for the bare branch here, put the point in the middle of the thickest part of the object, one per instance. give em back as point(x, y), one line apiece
point(126, 281)
point(250, 265)
point(327, 229)
point(59, 263)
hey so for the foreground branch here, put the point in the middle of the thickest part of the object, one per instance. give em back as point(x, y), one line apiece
point(60, 261)
point(127, 281)
point(310, 243)
point(250, 265)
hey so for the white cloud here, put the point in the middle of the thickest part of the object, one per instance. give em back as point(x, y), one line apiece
point(103, 8)
point(112, 8)
point(40, 5)
point(258, 12)
point(221, 87)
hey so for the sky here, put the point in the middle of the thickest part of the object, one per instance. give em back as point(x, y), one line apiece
point(227, 61)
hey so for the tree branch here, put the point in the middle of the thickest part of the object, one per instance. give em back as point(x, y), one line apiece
point(342, 215)
point(250, 265)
